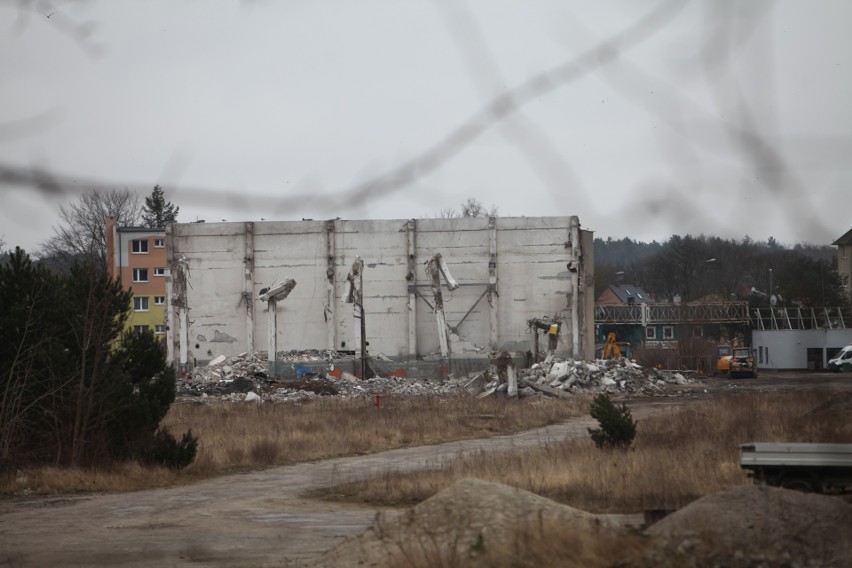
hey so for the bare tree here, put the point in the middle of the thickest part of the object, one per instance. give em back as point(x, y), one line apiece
point(83, 229)
point(471, 207)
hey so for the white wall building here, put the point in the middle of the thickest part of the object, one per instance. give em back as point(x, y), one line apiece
point(510, 270)
point(798, 348)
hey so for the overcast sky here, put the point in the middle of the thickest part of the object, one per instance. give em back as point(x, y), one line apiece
point(645, 119)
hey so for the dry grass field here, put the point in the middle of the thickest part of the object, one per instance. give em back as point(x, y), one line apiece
point(686, 448)
point(236, 437)
point(679, 455)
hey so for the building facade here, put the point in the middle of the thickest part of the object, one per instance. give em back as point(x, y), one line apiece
point(799, 338)
point(137, 257)
point(509, 270)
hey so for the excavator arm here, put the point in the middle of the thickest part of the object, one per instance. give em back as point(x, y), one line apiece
point(611, 349)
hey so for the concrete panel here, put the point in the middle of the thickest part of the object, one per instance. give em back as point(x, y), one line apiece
point(532, 280)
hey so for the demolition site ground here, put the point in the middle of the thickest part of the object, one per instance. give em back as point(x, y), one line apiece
point(270, 517)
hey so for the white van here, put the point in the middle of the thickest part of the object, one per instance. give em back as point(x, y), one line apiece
point(842, 358)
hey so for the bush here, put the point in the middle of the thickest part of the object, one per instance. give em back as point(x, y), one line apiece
point(167, 451)
point(617, 425)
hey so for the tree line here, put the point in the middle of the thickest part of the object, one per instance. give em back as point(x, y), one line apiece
point(717, 269)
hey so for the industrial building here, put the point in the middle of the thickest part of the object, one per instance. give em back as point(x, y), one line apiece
point(508, 271)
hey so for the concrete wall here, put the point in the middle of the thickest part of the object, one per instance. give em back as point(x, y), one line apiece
point(510, 270)
point(788, 349)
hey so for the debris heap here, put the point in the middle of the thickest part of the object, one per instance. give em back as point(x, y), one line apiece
point(244, 378)
point(564, 377)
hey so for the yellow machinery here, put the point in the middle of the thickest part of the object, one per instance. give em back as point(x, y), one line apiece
point(611, 349)
point(735, 362)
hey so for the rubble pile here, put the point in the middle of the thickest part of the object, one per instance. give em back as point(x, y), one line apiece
point(244, 378)
point(225, 375)
point(565, 376)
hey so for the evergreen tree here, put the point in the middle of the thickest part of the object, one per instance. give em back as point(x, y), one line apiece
point(617, 425)
point(158, 212)
point(76, 388)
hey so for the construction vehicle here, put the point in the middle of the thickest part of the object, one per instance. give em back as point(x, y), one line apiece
point(611, 348)
point(735, 361)
point(820, 468)
point(740, 363)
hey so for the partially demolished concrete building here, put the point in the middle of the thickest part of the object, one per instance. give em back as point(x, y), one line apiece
point(509, 270)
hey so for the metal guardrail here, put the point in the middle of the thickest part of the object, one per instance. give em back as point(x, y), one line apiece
point(652, 314)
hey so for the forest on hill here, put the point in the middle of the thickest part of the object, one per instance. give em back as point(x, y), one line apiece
point(713, 268)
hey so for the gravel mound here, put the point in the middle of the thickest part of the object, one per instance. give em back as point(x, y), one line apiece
point(757, 525)
point(450, 528)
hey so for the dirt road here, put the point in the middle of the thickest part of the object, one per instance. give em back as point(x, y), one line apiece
point(253, 519)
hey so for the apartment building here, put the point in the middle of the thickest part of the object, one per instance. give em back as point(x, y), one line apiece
point(137, 256)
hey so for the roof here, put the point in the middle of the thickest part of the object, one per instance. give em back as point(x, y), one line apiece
point(150, 230)
point(845, 239)
point(626, 292)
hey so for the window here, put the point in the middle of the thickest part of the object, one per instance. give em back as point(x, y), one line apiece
point(140, 274)
point(159, 300)
point(668, 332)
point(159, 329)
point(140, 304)
point(842, 252)
point(139, 246)
point(159, 271)
point(140, 328)
point(698, 332)
point(650, 332)
point(159, 243)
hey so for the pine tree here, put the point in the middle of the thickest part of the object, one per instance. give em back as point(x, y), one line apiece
point(158, 212)
point(617, 425)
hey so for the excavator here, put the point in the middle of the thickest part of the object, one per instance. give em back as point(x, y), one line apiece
point(611, 349)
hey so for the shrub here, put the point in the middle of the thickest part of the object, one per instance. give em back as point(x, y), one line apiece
point(617, 425)
point(167, 451)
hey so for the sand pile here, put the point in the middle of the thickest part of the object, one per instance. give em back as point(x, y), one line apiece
point(759, 525)
point(474, 523)
point(479, 523)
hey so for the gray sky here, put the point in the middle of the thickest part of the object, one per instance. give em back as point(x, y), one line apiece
point(645, 119)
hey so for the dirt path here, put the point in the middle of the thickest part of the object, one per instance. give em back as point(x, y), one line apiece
point(253, 519)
